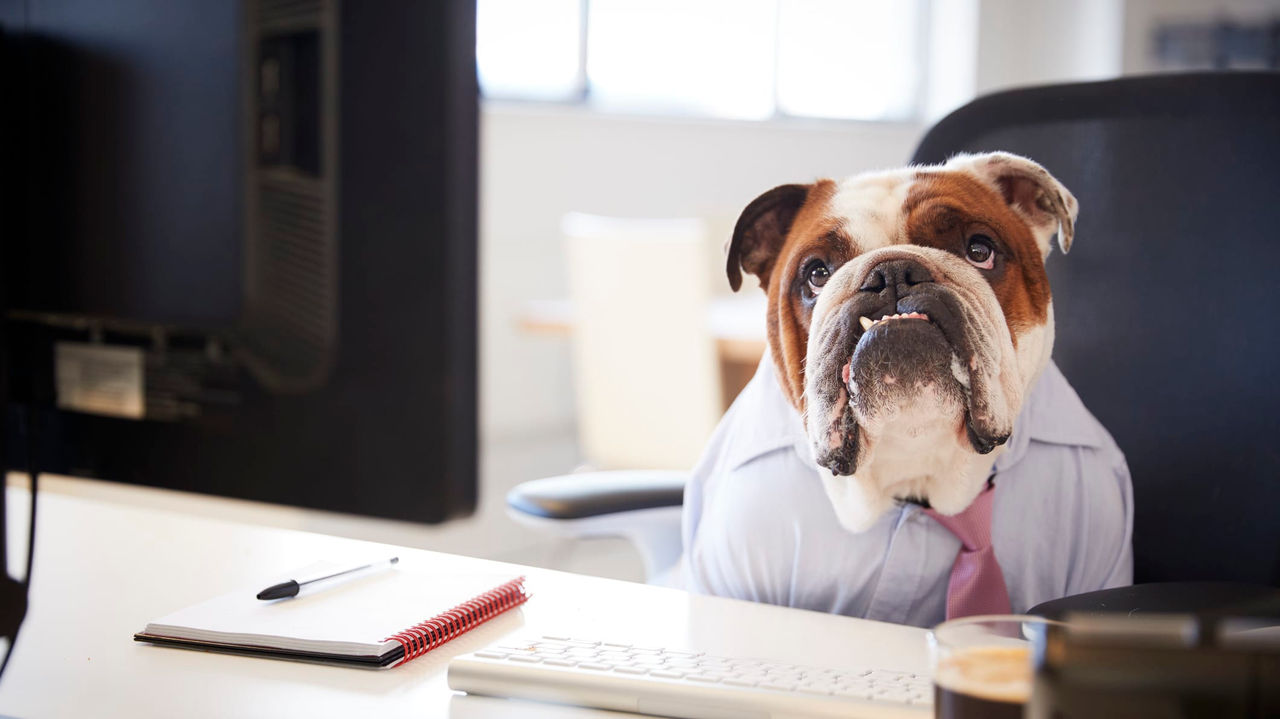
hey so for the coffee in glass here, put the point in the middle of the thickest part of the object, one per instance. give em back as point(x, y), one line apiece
point(982, 666)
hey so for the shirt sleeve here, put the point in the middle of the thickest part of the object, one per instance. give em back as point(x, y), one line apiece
point(731, 506)
point(1105, 559)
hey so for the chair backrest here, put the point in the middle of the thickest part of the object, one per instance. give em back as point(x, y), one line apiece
point(645, 369)
point(1166, 307)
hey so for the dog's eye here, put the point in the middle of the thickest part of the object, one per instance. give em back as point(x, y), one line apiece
point(817, 272)
point(981, 252)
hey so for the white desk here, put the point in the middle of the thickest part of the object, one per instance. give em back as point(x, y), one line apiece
point(104, 569)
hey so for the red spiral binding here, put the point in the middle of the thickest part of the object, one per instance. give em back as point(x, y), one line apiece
point(425, 636)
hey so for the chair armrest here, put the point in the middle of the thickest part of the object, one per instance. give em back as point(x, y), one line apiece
point(592, 494)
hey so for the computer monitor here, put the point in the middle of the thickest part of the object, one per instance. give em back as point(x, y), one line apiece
point(240, 251)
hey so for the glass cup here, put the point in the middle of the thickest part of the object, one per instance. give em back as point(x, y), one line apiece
point(983, 665)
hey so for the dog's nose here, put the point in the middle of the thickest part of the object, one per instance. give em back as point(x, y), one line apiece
point(899, 274)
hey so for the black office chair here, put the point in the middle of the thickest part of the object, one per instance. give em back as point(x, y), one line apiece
point(1166, 308)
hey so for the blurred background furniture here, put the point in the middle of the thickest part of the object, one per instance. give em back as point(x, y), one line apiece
point(645, 372)
point(1165, 321)
point(734, 322)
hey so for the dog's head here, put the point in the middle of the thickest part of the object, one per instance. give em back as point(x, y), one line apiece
point(908, 315)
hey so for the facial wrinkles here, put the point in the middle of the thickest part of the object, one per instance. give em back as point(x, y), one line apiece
point(993, 372)
point(969, 288)
point(1023, 290)
point(870, 208)
point(787, 330)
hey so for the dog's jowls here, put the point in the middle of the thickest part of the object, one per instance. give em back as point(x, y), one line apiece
point(909, 313)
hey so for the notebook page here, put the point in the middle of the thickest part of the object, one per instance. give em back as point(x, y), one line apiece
point(351, 617)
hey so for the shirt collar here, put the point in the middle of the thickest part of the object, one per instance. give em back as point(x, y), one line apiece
point(765, 421)
point(1052, 414)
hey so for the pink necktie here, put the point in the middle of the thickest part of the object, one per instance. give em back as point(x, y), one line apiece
point(977, 584)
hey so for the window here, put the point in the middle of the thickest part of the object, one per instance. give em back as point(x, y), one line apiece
point(530, 49)
point(746, 59)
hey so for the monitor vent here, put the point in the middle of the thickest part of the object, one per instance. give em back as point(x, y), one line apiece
point(297, 259)
point(277, 15)
point(292, 321)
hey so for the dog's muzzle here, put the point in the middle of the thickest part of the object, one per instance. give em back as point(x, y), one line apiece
point(902, 338)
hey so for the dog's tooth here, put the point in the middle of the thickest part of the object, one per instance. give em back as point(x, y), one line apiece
point(865, 322)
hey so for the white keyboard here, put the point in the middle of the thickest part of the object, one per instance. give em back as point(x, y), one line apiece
point(668, 682)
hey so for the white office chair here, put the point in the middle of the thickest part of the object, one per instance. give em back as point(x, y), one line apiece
point(647, 380)
point(645, 368)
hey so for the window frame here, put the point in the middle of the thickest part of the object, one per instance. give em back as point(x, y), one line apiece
point(580, 100)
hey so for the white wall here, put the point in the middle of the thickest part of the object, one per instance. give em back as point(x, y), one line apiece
point(538, 163)
point(1034, 42)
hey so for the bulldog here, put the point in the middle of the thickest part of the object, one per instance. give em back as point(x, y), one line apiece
point(910, 326)
point(909, 313)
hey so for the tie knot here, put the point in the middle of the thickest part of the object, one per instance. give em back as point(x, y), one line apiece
point(972, 526)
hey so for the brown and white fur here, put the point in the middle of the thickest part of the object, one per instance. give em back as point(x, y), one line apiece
point(911, 407)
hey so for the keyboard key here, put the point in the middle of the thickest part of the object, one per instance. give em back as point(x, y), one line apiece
point(631, 670)
point(741, 682)
point(525, 658)
point(616, 646)
point(680, 653)
point(778, 686)
point(667, 673)
point(858, 685)
point(492, 655)
point(555, 638)
point(822, 689)
point(892, 695)
point(708, 678)
point(559, 662)
point(648, 660)
point(920, 686)
point(595, 665)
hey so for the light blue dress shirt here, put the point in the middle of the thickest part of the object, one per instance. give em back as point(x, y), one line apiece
point(758, 526)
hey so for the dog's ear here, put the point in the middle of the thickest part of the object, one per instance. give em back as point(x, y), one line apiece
point(761, 229)
point(1033, 193)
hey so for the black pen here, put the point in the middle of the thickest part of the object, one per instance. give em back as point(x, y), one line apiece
point(292, 587)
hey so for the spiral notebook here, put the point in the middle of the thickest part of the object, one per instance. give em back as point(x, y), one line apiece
point(381, 620)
